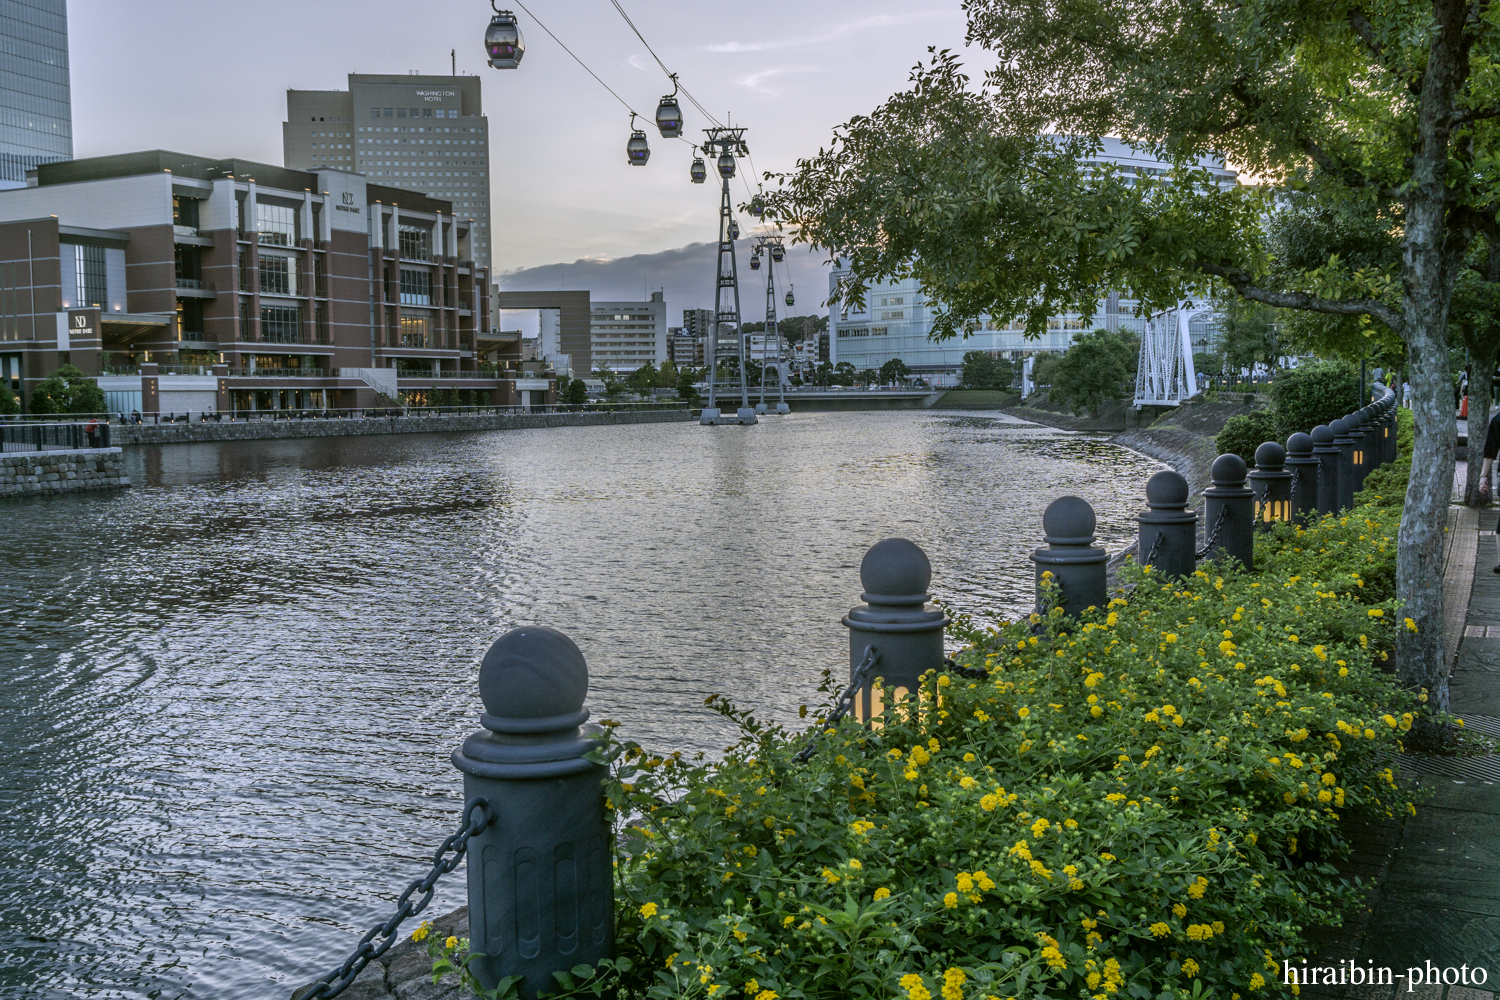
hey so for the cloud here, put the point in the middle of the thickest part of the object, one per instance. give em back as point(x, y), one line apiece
point(687, 275)
point(832, 33)
point(755, 80)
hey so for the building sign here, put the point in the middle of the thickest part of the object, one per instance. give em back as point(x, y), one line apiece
point(76, 324)
point(436, 96)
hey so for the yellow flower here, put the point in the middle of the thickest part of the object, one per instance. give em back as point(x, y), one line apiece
point(967, 783)
point(1375, 613)
point(648, 910)
point(989, 802)
point(1039, 827)
point(914, 987)
point(1411, 624)
point(752, 987)
point(1257, 980)
point(830, 876)
point(1198, 888)
point(1190, 968)
point(1023, 711)
point(420, 934)
point(451, 943)
point(882, 893)
point(953, 984)
point(767, 995)
point(854, 863)
point(1179, 909)
point(950, 901)
point(919, 756)
point(1160, 929)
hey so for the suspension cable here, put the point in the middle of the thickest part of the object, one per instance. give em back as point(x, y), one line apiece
point(579, 61)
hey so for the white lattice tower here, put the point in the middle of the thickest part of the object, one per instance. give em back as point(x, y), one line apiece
point(1164, 375)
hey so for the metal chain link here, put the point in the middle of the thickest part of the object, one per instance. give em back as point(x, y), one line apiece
point(1150, 559)
point(478, 814)
point(1208, 545)
point(1296, 478)
point(845, 704)
point(972, 673)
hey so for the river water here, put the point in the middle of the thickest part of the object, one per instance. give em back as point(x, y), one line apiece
point(230, 692)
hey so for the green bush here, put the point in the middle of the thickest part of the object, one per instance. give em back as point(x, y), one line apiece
point(1386, 486)
point(1145, 804)
point(1311, 394)
point(576, 393)
point(67, 390)
point(982, 371)
point(1099, 366)
point(1245, 432)
point(8, 402)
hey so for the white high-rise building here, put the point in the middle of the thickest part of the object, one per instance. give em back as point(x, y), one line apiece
point(895, 320)
point(626, 335)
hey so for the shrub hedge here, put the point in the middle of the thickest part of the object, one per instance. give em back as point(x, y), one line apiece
point(1144, 803)
point(1318, 392)
point(1245, 432)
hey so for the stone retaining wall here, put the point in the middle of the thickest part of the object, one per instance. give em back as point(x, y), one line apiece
point(264, 430)
point(38, 472)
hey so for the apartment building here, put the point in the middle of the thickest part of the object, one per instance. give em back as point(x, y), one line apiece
point(625, 335)
point(36, 105)
point(283, 288)
point(417, 133)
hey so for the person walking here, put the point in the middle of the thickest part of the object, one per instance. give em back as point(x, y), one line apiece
point(1487, 472)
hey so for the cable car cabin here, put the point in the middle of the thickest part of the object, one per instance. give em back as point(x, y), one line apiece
point(791, 299)
point(503, 42)
point(726, 165)
point(700, 172)
point(777, 253)
point(755, 262)
point(757, 206)
point(636, 150)
point(734, 229)
point(669, 118)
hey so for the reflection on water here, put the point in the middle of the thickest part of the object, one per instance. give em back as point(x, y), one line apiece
point(232, 690)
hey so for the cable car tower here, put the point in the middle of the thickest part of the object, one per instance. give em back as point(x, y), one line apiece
point(726, 144)
point(1164, 374)
point(774, 252)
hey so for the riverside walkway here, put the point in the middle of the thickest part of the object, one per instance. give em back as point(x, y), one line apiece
point(1435, 903)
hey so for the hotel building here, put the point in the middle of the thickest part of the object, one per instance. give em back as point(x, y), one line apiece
point(191, 283)
point(623, 336)
point(36, 104)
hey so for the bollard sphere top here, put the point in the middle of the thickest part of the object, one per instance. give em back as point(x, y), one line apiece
point(1270, 455)
point(1323, 434)
point(1299, 444)
point(1229, 470)
point(895, 567)
point(533, 673)
point(1166, 489)
point(1069, 519)
point(1339, 427)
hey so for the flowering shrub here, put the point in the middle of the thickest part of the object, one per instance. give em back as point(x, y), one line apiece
point(1142, 803)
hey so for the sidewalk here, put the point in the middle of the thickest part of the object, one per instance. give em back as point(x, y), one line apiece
point(1437, 893)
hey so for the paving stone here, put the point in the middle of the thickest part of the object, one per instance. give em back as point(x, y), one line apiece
point(1468, 993)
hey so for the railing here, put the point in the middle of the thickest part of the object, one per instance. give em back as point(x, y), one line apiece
point(282, 372)
point(410, 373)
point(34, 437)
point(336, 413)
point(199, 284)
point(1238, 383)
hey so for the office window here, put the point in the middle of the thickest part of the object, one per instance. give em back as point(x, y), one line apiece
point(387, 112)
point(415, 243)
point(426, 112)
point(277, 224)
point(416, 288)
point(244, 268)
point(281, 324)
point(400, 112)
point(415, 112)
point(245, 332)
point(89, 263)
point(416, 331)
point(374, 112)
point(278, 276)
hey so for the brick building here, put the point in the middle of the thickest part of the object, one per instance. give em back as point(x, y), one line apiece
point(292, 289)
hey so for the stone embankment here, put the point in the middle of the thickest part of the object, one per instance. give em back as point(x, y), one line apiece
point(405, 972)
point(263, 430)
point(1184, 437)
point(35, 473)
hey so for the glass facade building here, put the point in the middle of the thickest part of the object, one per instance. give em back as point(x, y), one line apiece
point(36, 105)
point(895, 318)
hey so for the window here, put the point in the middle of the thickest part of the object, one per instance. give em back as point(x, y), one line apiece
point(320, 323)
point(281, 324)
point(416, 112)
point(277, 224)
point(415, 243)
point(416, 288)
point(89, 263)
point(278, 276)
point(189, 319)
point(184, 211)
point(320, 276)
point(244, 268)
point(400, 112)
point(245, 332)
point(387, 112)
point(416, 331)
point(374, 112)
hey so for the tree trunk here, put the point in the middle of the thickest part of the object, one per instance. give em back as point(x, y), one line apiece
point(1432, 252)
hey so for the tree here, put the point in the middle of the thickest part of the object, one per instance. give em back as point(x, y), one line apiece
point(982, 371)
point(611, 380)
point(666, 376)
point(577, 393)
point(8, 402)
point(67, 390)
point(687, 387)
point(1250, 335)
point(1379, 116)
point(894, 370)
point(843, 373)
point(1099, 366)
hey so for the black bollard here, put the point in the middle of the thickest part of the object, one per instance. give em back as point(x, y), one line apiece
point(1345, 441)
point(1356, 422)
point(1327, 453)
point(905, 631)
point(541, 879)
point(1229, 512)
point(1076, 564)
point(1168, 538)
point(1304, 468)
point(1272, 485)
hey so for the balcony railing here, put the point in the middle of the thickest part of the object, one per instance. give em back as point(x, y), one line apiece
point(282, 373)
point(197, 284)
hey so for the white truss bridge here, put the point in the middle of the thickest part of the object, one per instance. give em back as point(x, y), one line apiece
point(1165, 375)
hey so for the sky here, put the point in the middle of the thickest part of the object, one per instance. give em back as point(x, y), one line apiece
point(209, 77)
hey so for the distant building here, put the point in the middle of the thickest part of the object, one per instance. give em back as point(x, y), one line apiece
point(625, 335)
point(418, 133)
point(896, 318)
point(698, 322)
point(36, 104)
point(189, 284)
point(684, 349)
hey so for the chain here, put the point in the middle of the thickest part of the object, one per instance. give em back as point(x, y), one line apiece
point(972, 673)
point(845, 704)
point(478, 814)
point(1296, 478)
point(1213, 537)
point(1150, 559)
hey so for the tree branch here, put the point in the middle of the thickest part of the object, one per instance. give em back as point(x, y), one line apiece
point(1473, 115)
point(1366, 32)
point(1241, 281)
